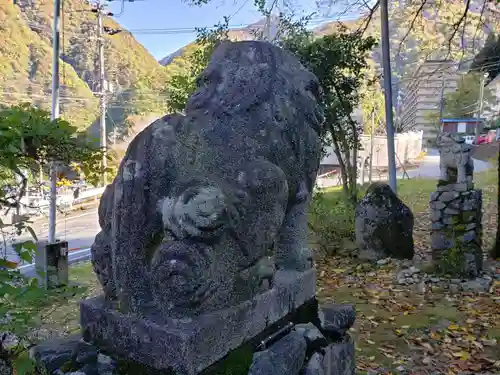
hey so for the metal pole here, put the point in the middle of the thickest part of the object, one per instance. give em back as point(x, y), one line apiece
point(480, 109)
point(54, 116)
point(41, 180)
point(441, 105)
point(386, 62)
point(102, 80)
point(372, 130)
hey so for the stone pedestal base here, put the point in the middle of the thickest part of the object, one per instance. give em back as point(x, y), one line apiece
point(188, 346)
point(456, 232)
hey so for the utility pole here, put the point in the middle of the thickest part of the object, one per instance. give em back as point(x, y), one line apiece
point(103, 86)
point(372, 130)
point(54, 116)
point(480, 109)
point(102, 95)
point(386, 63)
point(441, 103)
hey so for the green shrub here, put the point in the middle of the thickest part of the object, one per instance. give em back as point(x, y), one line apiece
point(331, 222)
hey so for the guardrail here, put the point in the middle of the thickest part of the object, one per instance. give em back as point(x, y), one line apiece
point(64, 202)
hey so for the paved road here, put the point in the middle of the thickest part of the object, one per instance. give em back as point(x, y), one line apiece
point(428, 168)
point(78, 228)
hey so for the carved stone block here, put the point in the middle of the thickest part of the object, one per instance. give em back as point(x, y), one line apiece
point(190, 345)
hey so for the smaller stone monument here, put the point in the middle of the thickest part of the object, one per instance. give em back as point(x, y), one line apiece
point(456, 211)
point(384, 225)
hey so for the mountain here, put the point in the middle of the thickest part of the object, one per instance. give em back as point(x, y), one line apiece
point(26, 64)
point(26, 69)
point(137, 79)
point(244, 33)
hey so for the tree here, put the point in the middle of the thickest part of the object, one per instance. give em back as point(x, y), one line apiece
point(464, 101)
point(339, 62)
point(488, 58)
point(182, 85)
point(29, 140)
point(373, 104)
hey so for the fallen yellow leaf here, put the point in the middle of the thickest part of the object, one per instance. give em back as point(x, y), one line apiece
point(338, 270)
point(435, 336)
point(453, 327)
point(462, 355)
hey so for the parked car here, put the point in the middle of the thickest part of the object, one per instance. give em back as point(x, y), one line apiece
point(482, 139)
point(469, 139)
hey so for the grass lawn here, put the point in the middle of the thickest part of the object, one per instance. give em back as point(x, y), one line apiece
point(396, 326)
point(62, 319)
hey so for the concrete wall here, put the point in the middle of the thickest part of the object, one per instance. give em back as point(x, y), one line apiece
point(408, 147)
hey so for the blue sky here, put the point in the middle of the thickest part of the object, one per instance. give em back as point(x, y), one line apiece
point(162, 14)
point(144, 15)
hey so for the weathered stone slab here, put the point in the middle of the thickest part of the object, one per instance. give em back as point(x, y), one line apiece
point(457, 187)
point(190, 345)
point(340, 358)
point(336, 319)
point(55, 353)
point(315, 365)
point(284, 357)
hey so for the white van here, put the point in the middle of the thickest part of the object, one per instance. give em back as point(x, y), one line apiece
point(469, 139)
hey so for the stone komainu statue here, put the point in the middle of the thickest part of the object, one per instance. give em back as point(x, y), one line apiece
point(454, 155)
point(207, 204)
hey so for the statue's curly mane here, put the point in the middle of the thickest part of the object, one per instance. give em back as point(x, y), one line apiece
point(264, 83)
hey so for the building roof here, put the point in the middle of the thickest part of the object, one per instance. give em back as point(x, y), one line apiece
point(462, 120)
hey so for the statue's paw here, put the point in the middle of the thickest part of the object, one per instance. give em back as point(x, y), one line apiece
point(180, 275)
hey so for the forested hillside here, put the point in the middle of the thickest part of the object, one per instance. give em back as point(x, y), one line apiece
point(26, 64)
point(139, 81)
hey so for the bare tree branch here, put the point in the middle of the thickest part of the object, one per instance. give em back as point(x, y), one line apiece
point(456, 26)
point(480, 24)
point(412, 24)
point(369, 17)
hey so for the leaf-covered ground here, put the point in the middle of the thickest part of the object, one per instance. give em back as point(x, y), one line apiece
point(402, 330)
